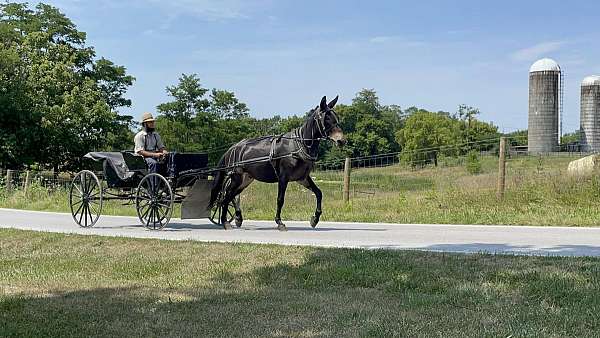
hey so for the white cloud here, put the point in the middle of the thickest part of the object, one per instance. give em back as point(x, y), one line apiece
point(536, 51)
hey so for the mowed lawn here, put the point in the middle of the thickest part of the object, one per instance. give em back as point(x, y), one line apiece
point(56, 285)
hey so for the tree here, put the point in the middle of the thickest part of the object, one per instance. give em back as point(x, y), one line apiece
point(224, 104)
point(59, 98)
point(113, 82)
point(369, 127)
point(194, 122)
point(425, 135)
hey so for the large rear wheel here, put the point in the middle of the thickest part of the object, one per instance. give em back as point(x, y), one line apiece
point(154, 201)
point(85, 199)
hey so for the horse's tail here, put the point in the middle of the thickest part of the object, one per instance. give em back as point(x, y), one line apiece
point(218, 179)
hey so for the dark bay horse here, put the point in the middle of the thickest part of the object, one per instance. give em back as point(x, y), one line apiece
point(277, 159)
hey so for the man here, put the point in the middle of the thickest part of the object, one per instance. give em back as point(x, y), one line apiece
point(149, 144)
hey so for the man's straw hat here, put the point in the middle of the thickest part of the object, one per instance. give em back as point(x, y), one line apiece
point(147, 117)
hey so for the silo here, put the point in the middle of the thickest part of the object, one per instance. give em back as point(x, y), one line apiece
point(590, 114)
point(544, 104)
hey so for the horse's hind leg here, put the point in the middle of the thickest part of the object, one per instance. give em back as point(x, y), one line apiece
point(230, 193)
point(239, 219)
point(310, 184)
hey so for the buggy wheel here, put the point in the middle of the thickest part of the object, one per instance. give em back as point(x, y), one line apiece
point(85, 199)
point(215, 212)
point(154, 201)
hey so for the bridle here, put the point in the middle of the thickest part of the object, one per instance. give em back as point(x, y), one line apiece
point(319, 117)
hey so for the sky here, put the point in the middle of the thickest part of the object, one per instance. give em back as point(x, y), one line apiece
point(281, 56)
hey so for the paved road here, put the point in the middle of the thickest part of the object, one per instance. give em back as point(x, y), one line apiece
point(563, 241)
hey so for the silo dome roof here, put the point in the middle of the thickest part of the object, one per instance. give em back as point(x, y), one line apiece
point(544, 65)
point(591, 81)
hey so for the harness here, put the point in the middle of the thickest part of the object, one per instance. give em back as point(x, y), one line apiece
point(301, 151)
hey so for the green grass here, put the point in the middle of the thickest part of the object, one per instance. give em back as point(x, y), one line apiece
point(56, 285)
point(538, 193)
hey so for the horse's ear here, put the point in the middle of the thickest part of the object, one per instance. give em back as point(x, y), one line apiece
point(333, 102)
point(323, 104)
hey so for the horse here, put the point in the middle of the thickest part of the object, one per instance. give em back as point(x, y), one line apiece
point(280, 159)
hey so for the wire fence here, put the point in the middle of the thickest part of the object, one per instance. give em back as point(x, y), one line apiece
point(409, 170)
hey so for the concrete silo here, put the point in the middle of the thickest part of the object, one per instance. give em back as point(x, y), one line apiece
point(544, 106)
point(590, 114)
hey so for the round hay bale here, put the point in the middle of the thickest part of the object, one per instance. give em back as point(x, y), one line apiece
point(586, 166)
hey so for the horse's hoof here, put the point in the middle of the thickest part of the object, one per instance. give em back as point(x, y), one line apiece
point(281, 227)
point(238, 222)
point(227, 226)
point(314, 221)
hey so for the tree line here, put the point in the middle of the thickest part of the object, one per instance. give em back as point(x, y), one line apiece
point(59, 100)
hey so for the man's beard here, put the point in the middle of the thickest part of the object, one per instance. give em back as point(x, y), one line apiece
point(149, 130)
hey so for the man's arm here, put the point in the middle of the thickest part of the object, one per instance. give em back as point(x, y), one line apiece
point(161, 146)
point(146, 153)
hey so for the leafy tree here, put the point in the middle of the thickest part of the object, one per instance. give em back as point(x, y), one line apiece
point(194, 122)
point(518, 138)
point(425, 135)
point(571, 137)
point(58, 97)
point(369, 127)
point(224, 104)
point(113, 82)
point(473, 163)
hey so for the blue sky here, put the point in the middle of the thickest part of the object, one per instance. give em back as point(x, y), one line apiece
point(280, 57)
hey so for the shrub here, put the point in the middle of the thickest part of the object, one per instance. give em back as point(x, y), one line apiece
point(473, 163)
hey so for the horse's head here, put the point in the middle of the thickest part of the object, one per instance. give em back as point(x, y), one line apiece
point(328, 123)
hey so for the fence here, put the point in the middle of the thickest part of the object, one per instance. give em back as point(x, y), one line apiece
point(24, 179)
point(346, 178)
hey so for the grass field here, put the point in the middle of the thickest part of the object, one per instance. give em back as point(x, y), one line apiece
point(56, 285)
point(538, 193)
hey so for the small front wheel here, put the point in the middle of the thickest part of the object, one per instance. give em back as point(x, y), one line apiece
point(154, 201)
point(215, 212)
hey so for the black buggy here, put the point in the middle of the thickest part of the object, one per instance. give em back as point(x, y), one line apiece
point(124, 176)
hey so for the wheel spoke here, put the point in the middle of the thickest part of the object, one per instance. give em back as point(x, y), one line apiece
point(78, 189)
point(86, 185)
point(85, 214)
point(78, 210)
point(90, 213)
point(95, 211)
point(231, 215)
point(149, 216)
point(144, 214)
point(164, 205)
point(215, 213)
point(154, 211)
point(162, 214)
point(143, 203)
point(76, 202)
point(81, 215)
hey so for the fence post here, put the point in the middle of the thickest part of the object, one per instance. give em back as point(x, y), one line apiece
point(501, 169)
point(347, 167)
point(27, 181)
point(9, 179)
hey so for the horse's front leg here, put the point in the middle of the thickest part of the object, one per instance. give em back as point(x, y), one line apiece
point(310, 184)
point(283, 182)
